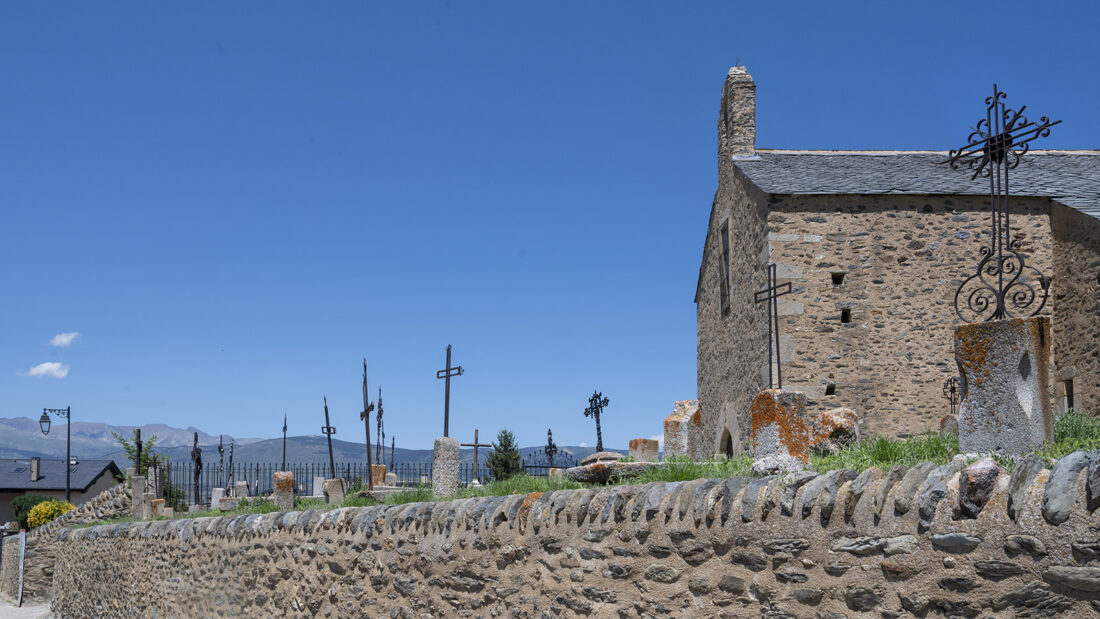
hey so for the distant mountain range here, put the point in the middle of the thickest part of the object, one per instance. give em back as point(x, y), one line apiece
point(22, 438)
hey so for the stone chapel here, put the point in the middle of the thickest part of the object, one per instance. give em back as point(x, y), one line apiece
point(875, 244)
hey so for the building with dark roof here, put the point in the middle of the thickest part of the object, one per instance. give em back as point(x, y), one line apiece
point(874, 244)
point(87, 479)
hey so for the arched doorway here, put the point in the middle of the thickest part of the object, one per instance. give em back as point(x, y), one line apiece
point(726, 444)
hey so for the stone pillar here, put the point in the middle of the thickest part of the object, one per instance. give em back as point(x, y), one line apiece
point(378, 474)
point(391, 479)
point(644, 449)
point(284, 489)
point(216, 496)
point(156, 508)
point(1005, 368)
point(684, 430)
point(147, 505)
point(334, 491)
point(780, 434)
point(240, 489)
point(318, 487)
point(169, 512)
point(154, 484)
point(445, 467)
point(137, 493)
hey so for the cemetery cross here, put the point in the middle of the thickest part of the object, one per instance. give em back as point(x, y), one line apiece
point(551, 449)
point(595, 407)
point(365, 416)
point(476, 445)
point(447, 373)
point(196, 457)
point(771, 294)
point(328, 431)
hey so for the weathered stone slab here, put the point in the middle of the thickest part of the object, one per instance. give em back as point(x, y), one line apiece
point(334, 491)
point(378, 474)
point(147, 505)
point(283, 497)
point(780, 434)
point(600, 472)
point(644, 449)
point(602, 456)
point(196, 508)
point(391, 479)
point(684, 431)
point(227, 504)
point(156, 508)
point(1005, 366)
point(445, 467)
point(137, 492)
point(318, 487)
point(833, 429)
point(240, 489)
point(169, 512)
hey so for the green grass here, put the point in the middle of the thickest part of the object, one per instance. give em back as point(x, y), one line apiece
point(677, 468)
point(886, 452)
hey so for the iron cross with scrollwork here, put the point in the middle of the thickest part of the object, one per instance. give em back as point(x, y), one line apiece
point(771, 294)
point(1003, 286)
point(551, 449)
point(596, 404)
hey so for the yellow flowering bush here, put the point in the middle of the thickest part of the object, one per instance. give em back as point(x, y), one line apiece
point(46, 511)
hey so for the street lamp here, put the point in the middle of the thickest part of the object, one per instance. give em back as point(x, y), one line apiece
point(44, 423)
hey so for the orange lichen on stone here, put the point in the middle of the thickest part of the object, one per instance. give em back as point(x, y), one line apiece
point(284, 481)
point(529, 500)
point(697, 418)
point(971, 348)
point(793, 433)
point(635, 443)
point(827, 423)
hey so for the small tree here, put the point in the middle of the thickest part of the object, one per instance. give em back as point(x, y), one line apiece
point(504, 461)
point(173, 497)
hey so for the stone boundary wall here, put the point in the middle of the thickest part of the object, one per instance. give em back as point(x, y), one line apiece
point(42, 543)
point(889, 544)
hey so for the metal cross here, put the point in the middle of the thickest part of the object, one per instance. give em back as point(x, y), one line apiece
point(392, 441)
point(229, 477)
point(381, 430)
point(137, 447)
point(1003, 286)
point(476, 445)
point(447, 373)
point(365, 416)
point(951, 392)
point(221, 460)
point(595, 407)
point(328, 431)
point(196, 457)
point(284, 442)
point(551, 449)
point(771, 294)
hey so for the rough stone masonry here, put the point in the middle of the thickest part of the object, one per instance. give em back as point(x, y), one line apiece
point(903, 542)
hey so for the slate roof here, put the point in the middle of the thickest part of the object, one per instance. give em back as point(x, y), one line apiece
point(15, 475)
point(1069, 177)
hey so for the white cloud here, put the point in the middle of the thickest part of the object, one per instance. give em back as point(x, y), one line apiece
point(583, 445)
point(64, 339)
point(51, 369)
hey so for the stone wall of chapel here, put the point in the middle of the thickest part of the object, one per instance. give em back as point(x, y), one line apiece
point(1076, 325)
point(732, 346)
point(902, 258)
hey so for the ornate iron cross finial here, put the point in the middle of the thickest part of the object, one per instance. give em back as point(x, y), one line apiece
point(771, 294)
point(447, 373)
point(596, 404)
point(1003, 285)
point(551, 449)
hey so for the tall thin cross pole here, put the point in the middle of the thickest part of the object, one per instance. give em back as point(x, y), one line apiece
point(447, 373)
point(771, 294)
point(284, 442)
point(381, 445)
point(392, 441)
point(476, 445)
point(328, 431)
point(365, 416)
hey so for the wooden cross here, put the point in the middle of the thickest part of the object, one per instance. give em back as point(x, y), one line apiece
point(771, 294)
point(447, 373)
point(476, 445)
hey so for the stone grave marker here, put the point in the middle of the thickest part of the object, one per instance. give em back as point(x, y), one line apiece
point(216, 496)
point(684, 430)
point(378, 474)
point(445, 467)
point(318, 487)
point(240, 489)
point(147, 505)
point(780, 434)
point(169, 512)
point(283, 481)
point(334, 491)
point(391, 479)
point(157, 508)
point(137, 491)
point(643, 449)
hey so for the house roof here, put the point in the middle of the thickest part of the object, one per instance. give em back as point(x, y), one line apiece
point(15, 475)
point(1069, 177)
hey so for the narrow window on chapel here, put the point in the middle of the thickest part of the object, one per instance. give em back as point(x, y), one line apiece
point(845, 316)
point(724, 239)
point(838, 278)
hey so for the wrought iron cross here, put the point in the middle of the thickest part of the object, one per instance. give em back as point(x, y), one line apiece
point(221, 460)
point(196, 458)
point(447, 373)
point(1003, 286)
point(551, 449)
point(771, 294)
point(284, 442)
point(596, 403)
point(365, 416)
point(328, 431)
point(476, 445)
point(392, 441)
point(951, 392)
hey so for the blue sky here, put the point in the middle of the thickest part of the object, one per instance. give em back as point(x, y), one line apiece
point(233, 203)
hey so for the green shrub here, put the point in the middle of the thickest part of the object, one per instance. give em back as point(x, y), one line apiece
point(504, 461)
point(23, 504)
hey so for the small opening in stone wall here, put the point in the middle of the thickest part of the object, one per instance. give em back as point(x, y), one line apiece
point(830, 389)
point(845, 316)
point(838, 278)
point(1069, 393)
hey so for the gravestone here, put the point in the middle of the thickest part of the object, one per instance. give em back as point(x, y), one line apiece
point(556, 473)
point(283, 481)
point(684, 431)
point(137, 491)
point(1005, 365)
point(445, 467)
point(154, 484)
point(378, 474)
point(643, 449)
point(240, 489)
point(196, 508)
point(780, 434)
point(391, 479)
point(318, 487)
point(833, 429)
point(228, 504)
point(147, 505)
point(169, 512)
point(334, 491)
point(157, 508)
point(216, 496)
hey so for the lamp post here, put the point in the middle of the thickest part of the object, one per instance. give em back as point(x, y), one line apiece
point(44, 423)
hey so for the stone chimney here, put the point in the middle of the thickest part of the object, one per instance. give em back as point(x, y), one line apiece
point(737, 120)
point(35, 464)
